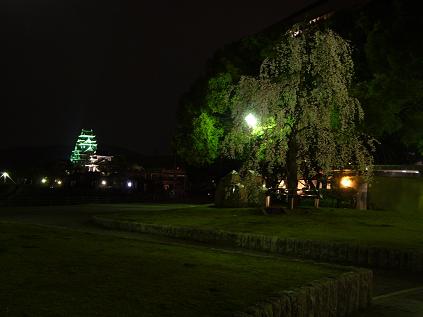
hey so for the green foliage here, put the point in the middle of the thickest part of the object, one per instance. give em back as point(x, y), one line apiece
point(205, 139)
point(212, 94)
point(201, 128)
point(206, 136)
point(388, 82)
point(218, 93)
point(392, 92)
point(302, 100)
point(234, 190)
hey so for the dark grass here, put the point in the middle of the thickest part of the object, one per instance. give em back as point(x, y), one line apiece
point(370, 227)
point(62, 272)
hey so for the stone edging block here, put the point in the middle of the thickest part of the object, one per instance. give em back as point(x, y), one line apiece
point(326, 251)
point(338, 297)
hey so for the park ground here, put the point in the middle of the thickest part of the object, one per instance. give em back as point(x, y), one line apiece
point(59, 264)
point(371, 227)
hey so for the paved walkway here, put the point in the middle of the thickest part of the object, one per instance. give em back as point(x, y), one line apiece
point(396, 295)
point(404, 303)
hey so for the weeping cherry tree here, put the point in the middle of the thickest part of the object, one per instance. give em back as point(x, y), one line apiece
point(297, 117)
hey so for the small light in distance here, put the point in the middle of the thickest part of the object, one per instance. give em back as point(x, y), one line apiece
point(103, 182)
point(346, 182)
point(129, 184)
point(44, 180)
point(59, 182)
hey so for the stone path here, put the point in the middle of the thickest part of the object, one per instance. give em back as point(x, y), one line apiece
point(404, 303)
point(396, 295)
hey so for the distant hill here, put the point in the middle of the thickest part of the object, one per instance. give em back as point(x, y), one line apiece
point(30, 158)
point(19, 157)
point(146, 161)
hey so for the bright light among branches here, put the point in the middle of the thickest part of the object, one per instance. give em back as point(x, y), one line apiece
point(346, 182)
point(5, 175)
point(251, 121)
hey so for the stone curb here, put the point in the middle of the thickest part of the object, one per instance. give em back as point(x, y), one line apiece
point(335, 252)
point(341, 296)
point(338, 297)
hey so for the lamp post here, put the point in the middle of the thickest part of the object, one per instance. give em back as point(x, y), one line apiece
point(252, 122)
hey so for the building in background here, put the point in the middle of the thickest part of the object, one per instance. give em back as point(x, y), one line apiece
point(84, 153)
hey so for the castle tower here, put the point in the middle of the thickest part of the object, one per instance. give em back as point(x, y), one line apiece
point(86, 145)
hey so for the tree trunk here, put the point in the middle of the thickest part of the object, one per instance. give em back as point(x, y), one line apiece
point(291, 166)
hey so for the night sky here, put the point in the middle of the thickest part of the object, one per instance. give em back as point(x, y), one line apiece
point(118, 67)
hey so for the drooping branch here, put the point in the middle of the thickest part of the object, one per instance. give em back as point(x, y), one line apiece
point(304, 110)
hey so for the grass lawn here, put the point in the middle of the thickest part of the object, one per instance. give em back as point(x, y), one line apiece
point(62, 272)
point(370, 227)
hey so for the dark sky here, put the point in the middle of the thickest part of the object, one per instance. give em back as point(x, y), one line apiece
point(117, 67)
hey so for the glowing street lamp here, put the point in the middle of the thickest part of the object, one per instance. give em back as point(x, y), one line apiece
point(6, 175)
point(251, 121)
point(129, 184)
point(44, 180)
point(103, 182)
point(346, 182)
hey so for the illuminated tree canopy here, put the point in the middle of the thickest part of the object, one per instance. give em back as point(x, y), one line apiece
point(296, 117)
point(306, 118)
point(387, 79)
point(201, 130)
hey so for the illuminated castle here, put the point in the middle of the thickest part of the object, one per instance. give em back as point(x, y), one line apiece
point(85, 146)
point(85, 150)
